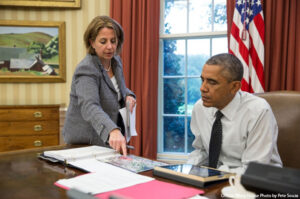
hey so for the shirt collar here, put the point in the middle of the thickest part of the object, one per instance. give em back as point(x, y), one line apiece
point(230, 110)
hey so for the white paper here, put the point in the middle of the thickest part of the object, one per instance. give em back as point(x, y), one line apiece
point(93, 165)
point(123, 112)
point(132, 122)
point(70, 155)
point(129, 122)
point(107, 178)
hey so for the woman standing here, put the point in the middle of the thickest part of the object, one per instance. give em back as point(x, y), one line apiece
point(98, 89)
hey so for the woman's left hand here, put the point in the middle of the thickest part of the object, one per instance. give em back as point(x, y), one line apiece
point(131, 101)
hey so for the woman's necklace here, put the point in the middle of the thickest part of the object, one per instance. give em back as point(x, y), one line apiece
point(108, 69)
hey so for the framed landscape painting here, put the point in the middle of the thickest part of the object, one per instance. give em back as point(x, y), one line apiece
point(32, 51)
point(42, 3)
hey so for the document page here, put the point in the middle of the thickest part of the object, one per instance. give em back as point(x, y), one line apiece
point(94, 165)
point(71, 155)
point(129, 122)
point(132, 122)
point(107, 178)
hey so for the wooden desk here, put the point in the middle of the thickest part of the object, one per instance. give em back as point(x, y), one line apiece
point(23, 175)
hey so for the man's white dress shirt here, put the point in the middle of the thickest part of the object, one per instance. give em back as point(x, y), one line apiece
point(249, 133)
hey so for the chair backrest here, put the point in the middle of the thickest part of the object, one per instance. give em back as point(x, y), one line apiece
point(286, 108)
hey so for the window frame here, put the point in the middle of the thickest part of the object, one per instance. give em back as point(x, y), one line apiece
point(177, 157)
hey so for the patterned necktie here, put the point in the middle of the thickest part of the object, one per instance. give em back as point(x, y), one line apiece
point(215, 141)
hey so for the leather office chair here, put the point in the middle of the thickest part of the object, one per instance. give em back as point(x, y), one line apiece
point(286, 108)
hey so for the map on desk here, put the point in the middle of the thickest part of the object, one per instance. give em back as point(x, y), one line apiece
point(133, 163)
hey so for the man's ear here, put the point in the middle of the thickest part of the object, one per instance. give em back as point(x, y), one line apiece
point(235, 86)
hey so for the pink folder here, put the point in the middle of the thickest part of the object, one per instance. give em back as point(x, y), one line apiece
point(153, 189)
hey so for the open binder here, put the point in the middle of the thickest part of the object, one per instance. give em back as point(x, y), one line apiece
point(83, 157)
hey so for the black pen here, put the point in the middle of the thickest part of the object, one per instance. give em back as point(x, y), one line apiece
point(130, 147)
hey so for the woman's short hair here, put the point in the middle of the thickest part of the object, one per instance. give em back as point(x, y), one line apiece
point(96, 25)
point(232, 67)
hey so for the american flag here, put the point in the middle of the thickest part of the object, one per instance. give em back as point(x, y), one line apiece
point(247, 42)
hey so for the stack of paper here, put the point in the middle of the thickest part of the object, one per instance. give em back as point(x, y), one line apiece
point(75, 154)
point(107, 178)
point(125, 184)
point(110, 175)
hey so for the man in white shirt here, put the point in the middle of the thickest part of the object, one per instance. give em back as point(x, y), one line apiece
point(249, 128)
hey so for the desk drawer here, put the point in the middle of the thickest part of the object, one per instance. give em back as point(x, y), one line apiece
point(29, 128)
point(24, 142)
point(25, 114)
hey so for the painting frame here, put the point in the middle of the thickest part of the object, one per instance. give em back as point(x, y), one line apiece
point(59, 76)
point(42, 3)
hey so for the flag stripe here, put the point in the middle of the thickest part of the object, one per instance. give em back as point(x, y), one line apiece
point(258, 43)
point(255, 83)
point(243, 50)
point(248, 17)
point(259, 68)
point(234, 49)
point(259, 24)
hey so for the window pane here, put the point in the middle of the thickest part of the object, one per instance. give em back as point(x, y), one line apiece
point(193, 95)
point(191, 40)
point(198, 53)
point(219, 45)
point(173, 134)
point(175, 16)
point(191, 137)
point(174, 96)
point(220, 22)
point(200, 16)
point(174, 61)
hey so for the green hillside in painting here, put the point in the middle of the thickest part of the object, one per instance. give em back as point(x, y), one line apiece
point(23, 40)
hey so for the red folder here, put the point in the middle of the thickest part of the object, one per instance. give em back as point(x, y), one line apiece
point(153, 189)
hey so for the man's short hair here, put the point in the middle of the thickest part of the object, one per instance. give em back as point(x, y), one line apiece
point(231, 65)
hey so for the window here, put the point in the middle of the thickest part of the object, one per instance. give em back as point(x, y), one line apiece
point(191, 32)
